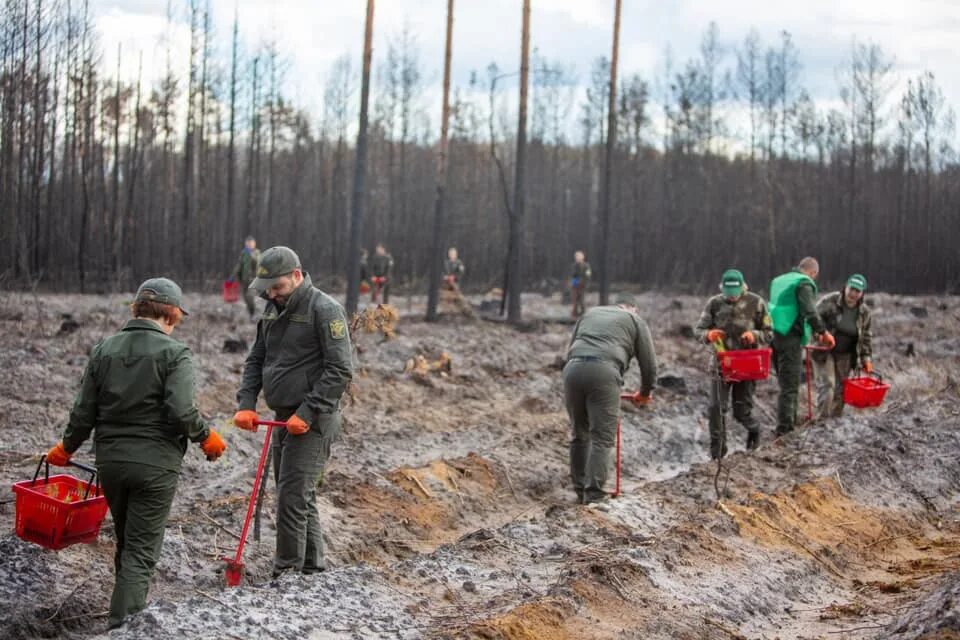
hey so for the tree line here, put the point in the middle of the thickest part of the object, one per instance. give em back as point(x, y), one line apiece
point(723, 160)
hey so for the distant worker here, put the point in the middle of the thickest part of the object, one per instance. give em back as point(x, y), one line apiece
point(364, 272)
point(453, 269)
point(137, 396)
point(795, 318)
point(302, 361)
point(579, 279)
point(381, 271)
point(734, 319)
point(246, 271)
point(848, 318)
point(604, 341)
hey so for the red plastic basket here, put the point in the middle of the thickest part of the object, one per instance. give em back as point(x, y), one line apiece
point(864, 391)
point(58, 511)
point(741, 365)
point(231, 290)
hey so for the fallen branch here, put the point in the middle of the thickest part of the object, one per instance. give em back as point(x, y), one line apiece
point(863, 628)
point(217, 524)
point(64, 601)
point(412, 476)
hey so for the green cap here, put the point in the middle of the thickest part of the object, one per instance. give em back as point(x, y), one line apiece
point(274, 263)
point(732, 283)
point(162, 290)
point(858, 282)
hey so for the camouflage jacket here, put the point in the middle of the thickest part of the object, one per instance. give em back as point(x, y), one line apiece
point(748, 313)
point(830, 308)
point(246, 269)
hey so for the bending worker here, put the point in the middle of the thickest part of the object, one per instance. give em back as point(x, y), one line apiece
point(301, 360)
point(846, 315)
point(795, 318)
point(734, 319)
point(604, 341)
point(137, 396)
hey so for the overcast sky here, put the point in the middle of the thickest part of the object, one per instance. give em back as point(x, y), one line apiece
point(918, 34)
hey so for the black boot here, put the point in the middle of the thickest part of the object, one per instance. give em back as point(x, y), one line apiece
point(753, 439)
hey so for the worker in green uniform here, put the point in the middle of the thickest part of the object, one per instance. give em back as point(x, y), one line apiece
point(453, 269)
point(604, 341)
point(246, 270)
point(848, 318)
point(795, 318)
point(580, 275)
point(302, 361)
point(137, 396)
point(381, 273)
point(734, 319)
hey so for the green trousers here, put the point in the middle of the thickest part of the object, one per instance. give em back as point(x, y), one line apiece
point(250, 298)
point(829, 372)
point(298, 464)
point(139, 497)
point(592, 394)
point(720, 393)
point(788, 354)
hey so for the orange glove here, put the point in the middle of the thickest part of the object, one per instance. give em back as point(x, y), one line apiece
point(296, 426)
point(748, 338)
point(58, 456)
point(827, 340)
point(868, 366)
point(213, 446)
point(716, 334)
point(246, 420)
point(642, 400)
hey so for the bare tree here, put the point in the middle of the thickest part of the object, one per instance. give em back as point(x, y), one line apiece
point(608, 162)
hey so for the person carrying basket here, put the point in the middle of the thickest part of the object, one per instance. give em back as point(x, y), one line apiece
point(137, 397)
point(733, 319)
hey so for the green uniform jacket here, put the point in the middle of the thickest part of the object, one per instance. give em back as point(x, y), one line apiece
point(246, 269)
point(748, 313)
point(793, 305)
point(138, 393)
point(381, 266)
point(453, 268)
point(582, 273)
point(302, 358)
point(614, 334)
point(830, 309)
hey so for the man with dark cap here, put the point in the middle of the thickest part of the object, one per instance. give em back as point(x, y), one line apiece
point(604, 341)
point(848, 318)
point(794, 313)
point(302, 361)
point(735, 319)
point(246, 270)
point(381, 270)
point(137, 396)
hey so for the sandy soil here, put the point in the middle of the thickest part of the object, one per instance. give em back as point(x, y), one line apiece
point(448, 514)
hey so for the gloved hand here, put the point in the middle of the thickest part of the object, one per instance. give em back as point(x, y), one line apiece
point(868, 366)
point(296, 426)
point(246, 419)
point(641, 400)
point(826, 339)
point(213, 446)
point(716, 334)
point(58, 456)
point(747, 338)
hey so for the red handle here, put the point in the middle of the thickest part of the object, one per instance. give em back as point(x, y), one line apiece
point(270, 423)
point(256, 484)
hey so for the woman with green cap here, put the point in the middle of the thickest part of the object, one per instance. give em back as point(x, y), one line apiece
point(848, 318)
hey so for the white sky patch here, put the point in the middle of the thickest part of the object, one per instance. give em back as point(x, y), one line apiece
point(920, 35)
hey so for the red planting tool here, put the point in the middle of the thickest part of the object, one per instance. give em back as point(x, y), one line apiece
point(379, 282)
point(633, 396)
point(234, 571)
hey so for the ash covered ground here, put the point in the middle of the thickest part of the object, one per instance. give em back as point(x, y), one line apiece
point(446, 506)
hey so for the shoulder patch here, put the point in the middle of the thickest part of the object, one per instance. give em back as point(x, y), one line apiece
point(338, 329)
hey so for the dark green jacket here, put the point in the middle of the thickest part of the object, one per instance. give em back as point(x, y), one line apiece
point(582, 273)
point(453, 268)
point(617, 335)
point(137, 395)
point(748, 313)
point(830, 309)
point(246, 269)
point(302, 358)
point(381, 266)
